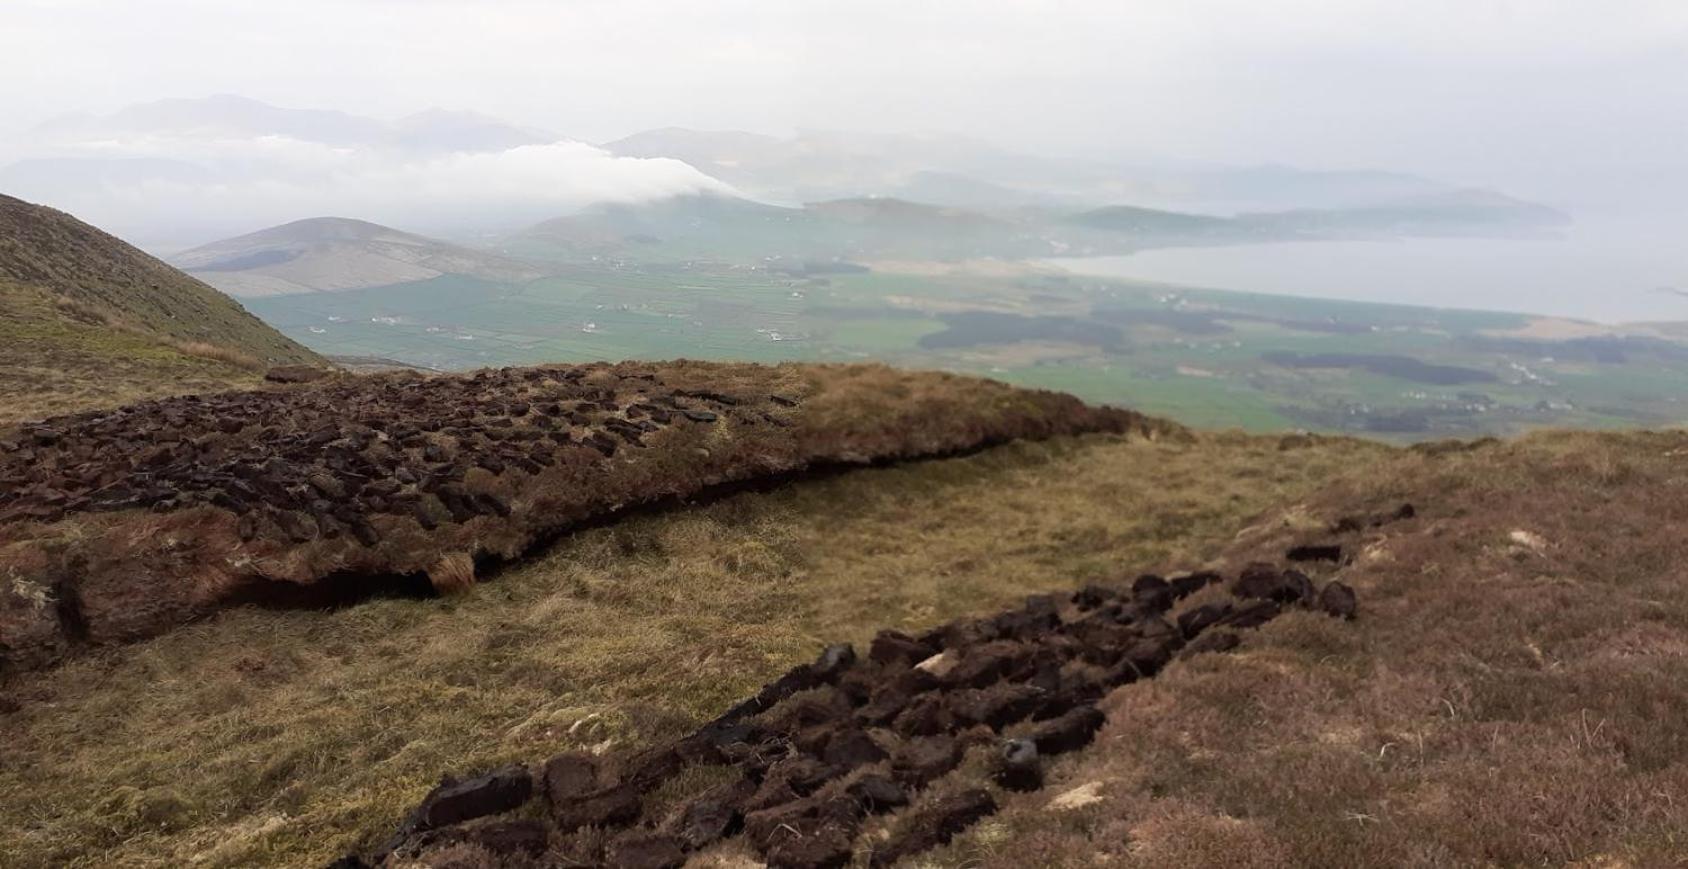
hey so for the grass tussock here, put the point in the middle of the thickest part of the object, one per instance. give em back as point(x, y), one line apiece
point(453, 573)
point(219, 353)
point(264, 737)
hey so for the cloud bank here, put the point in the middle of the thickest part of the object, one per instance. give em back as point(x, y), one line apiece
point(189, 181)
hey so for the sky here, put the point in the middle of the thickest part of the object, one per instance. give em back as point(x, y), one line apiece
point(1575, 102)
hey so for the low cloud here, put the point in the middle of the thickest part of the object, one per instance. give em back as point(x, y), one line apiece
point(171, 190)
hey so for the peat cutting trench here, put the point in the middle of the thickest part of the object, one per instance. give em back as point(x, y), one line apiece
point(119, 525)
point(801, 769)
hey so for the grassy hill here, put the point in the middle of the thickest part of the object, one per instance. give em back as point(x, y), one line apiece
point(87, 320)
point(327, 254)
point(1152, 221)
point(1510, 695)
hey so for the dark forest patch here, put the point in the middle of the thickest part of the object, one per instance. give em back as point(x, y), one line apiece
point(1403, 367)
point(974, 328)
point(1607, 350)
point(1188, 322)
point(862, 312)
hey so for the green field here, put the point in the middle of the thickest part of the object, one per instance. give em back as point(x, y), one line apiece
point(1208, 358)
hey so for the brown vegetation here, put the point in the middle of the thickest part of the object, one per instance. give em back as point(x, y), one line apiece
point(287, 737)
point(135, 520)
point(95, 276)
point(808, 762)
point(1515, 696)
point(1512, 694)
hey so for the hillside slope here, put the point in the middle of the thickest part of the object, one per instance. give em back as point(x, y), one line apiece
point(311, 732)
point(87, 320)
point(325, 254)
point(1512, 692)
point(51, 250)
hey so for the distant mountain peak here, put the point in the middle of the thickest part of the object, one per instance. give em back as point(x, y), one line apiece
point(326, 254)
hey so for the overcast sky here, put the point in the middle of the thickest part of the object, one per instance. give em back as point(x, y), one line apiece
point(1551, 99)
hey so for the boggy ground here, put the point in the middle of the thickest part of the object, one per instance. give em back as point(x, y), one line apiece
point(802, 768)
point(286, 737)
point(1514, 692)
point(120, 524)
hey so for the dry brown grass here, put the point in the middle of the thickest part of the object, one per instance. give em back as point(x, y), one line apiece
point(219, 353)
point(285, 737)
point(453, 573)
point(1507, 700)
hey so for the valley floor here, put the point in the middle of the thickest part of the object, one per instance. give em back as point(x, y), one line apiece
point(1513, 693)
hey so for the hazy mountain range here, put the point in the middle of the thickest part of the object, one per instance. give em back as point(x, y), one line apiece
point(955, 170)
point(173, 174)
point(330, 254)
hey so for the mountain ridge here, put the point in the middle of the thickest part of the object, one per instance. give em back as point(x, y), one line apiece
point(328, 254)
point(88, 320)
